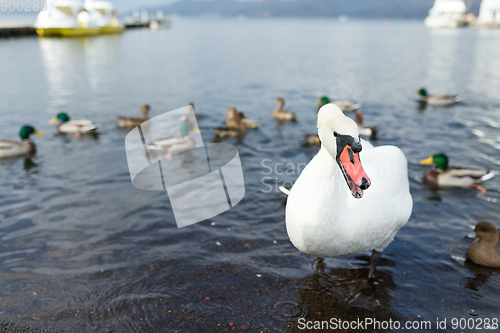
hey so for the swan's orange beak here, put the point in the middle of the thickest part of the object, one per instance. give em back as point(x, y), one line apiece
point(353, 171)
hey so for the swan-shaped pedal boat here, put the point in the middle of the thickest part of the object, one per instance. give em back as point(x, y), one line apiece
point(336, 207)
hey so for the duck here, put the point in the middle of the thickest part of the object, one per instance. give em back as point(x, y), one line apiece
point(283, 115)
point(345, 106)
point(134, 121)
point(238, 127)
point(80, 126)
point(485, 250)
point(176, 144)
point(231, 122)
point(436, 100)
point(365, 131)
point(25, 148)
point(444, 176)
point(328, 213)
point(311, 140)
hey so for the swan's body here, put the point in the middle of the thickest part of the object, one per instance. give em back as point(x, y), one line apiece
point(437, 100)
point(134, 121)
point(25, 148)
point(281, 114)
point(444, 176)
point(68, 126)
point(344, 105)
point(325, 216)
point(232, 121)
point(485, 250)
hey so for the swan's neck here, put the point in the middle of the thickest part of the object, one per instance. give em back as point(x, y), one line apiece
point(330, 172)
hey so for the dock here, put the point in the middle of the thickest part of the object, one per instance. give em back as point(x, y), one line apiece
point(8, 30)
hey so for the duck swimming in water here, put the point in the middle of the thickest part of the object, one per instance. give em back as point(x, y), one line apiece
point(345, 106)
point(176, 144)
point(436, 100)
point(25, 148)
point(444, 176)
point(238, 128)
point(68, 126)
point(134, 121)
point(485, 250)
point(231, 121)
point(369, 132)
point(283, 115)
point(335, 207)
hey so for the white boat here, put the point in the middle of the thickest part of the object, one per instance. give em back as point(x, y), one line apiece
point(65, 18)
point(105, 16)
point(447, 14)
point(489, 13)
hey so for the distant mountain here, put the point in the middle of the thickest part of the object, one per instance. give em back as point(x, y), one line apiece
point(411, 9)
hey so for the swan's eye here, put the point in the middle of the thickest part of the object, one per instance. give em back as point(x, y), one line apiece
point(335, 134)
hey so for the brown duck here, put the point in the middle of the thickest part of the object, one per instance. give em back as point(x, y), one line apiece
point(238, 128)
point(281, 114)
point(134, 121)
point(485, 250)
point(231, 122)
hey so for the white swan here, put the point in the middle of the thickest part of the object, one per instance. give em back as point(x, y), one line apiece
point(337, 208)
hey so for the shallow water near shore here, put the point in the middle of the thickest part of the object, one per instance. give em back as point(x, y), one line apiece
point(82, 250)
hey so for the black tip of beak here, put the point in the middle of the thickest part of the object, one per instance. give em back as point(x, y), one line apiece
point(356, 147)
point(364, 184)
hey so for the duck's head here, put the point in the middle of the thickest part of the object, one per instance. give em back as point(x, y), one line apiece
point(280, 101)
point(440, 160)
point(339, 135)
point(422, 92)
point(145, 110)
point(323, 100)
point(63, 117)
point(187, 127)
point(26, 131)
point(231, 112)
point(487, 232)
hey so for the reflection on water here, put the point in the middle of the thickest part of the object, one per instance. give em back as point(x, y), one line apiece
point(83, 250)
point(69, 63)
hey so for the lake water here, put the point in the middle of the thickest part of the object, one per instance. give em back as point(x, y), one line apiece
point(82, 250)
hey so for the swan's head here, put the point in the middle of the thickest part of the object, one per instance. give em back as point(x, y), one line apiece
point(339, 135)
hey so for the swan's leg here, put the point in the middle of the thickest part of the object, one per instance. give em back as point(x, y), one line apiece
point(374, 261)
point(319, 266)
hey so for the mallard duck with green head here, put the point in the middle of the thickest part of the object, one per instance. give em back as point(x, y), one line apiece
point(443, 175)
point(80, 126)
point(134, 121)
point(13, 149)
point(176, 144)
point(436, 100)
point(344, 105)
